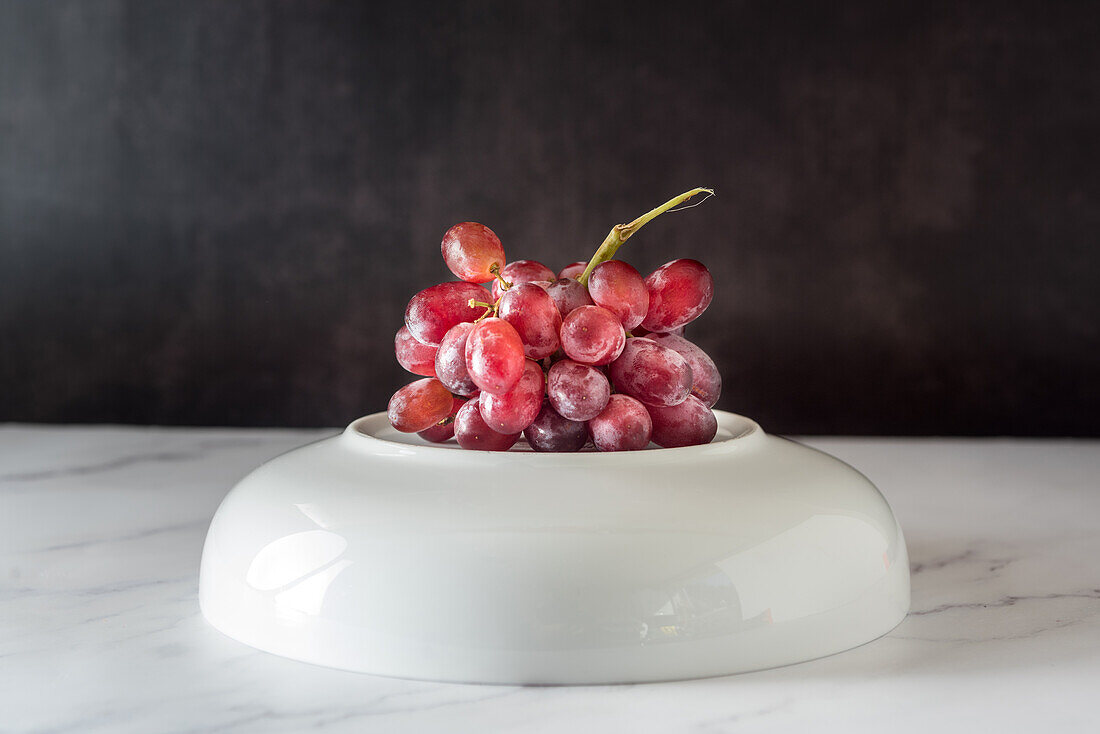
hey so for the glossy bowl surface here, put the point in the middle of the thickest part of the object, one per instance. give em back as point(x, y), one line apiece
point(375, 551)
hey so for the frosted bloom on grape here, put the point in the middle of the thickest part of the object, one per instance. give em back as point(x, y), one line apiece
point(654, 374)
point(522, 271)
point(679, 291)
point(534, 315)
point(433, 311)
point(472, 432)
point(592, 335)
point(578, 392)
point(690, 423)
point(552, 432)
point(624, 425)
point(569, 295)
point(514, 410)
point(412, 355)
point(494, 355)
point(450, 360)
point(619, 288)
point(706, 380)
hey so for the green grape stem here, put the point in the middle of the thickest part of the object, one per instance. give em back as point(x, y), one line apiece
point(620, 233)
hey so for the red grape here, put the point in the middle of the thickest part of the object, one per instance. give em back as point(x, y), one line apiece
point(572, 270)
point(412, 355)
point(678, 292)
point(471, 432)
point(619, 288)
point(654, 374)
point(419, 405)
point(445, 429)
point(706, 380)
point(450, 360)
point(514, 410)
point(552, 432)
point(494, 355)
point(470, 250)
point(535, 316)
point(568, 294)
point(578, 392)
point(522, 271)
point(688, 424)
point(592, 335)
point(433, 311)
point(624, 425)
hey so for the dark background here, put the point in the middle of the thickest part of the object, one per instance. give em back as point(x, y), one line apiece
point(214, 213)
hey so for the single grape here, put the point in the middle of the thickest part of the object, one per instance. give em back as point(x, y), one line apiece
point(433, 311)
point(592, 335)
point(412, 355)
point(654, 374)
point(678, 292)
point(471, 431)
point(535, 316)
point(619, 288)
point(572, 270)
point(470, 250)
point(688, 424)
point(706, 380)
point(419, 405)
point(577, 391)
point(514, 410)
point(522, 271)
point(624, 425)
point(551, 432)
point(450, 360)
point(569, 295)
point(494, 355)
point(444, 430)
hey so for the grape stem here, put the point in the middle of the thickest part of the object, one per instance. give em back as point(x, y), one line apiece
point(490, 308)
point(495, 270)
point(620, 233)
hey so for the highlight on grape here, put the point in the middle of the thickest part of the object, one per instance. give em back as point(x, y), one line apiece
point(593, 355)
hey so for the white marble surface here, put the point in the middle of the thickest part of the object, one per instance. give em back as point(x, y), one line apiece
point(101, 531)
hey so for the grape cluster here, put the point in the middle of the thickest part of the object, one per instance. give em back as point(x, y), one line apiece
point(594, 353)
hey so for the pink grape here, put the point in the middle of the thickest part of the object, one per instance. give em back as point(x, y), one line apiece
point(624, 425)
point(470, 250)
point(592, 335)
point(522, 271)
point(444, 430)
point(678, 292)
point(494, 355)
point(569, 295)
point(688, 424)
point(450, 360)
point(419, 405)
point(578, 392)
point(654, 374)
point(572, 270)
point(412, 355)
point(514, 410)
point(551, 432)
point(433, 311)
point(533, 313)
point(471, 431)
point(619, 288)
point(706, 379)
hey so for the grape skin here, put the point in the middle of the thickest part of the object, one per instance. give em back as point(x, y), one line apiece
point(522, 271)
point(592, 335)
point(679, 291)
point(433, 311)
point(569, 295)
point(572, 270)
point(654, 374)
point(624, 425)
point(471, 431)
point(494, 355)
point(412, 355)
point(619, 288)
point(470, 250)
point(706, 379)
point(690, 423)
point(535, 316)
point(450, 360)
point(578, 392)
point(550, 432)
point(444, 430)
point(514, 410)
point(419, 405)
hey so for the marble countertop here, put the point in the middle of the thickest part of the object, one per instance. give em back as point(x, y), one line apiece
point(101, 530)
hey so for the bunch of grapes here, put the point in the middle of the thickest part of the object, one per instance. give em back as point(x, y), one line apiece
point(593, 353)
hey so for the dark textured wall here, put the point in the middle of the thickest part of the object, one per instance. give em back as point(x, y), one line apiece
point(214, 213)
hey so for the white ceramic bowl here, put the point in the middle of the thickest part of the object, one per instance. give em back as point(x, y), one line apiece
point(375, 551)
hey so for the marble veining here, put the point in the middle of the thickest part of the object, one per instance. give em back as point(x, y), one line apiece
point(101, 531)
